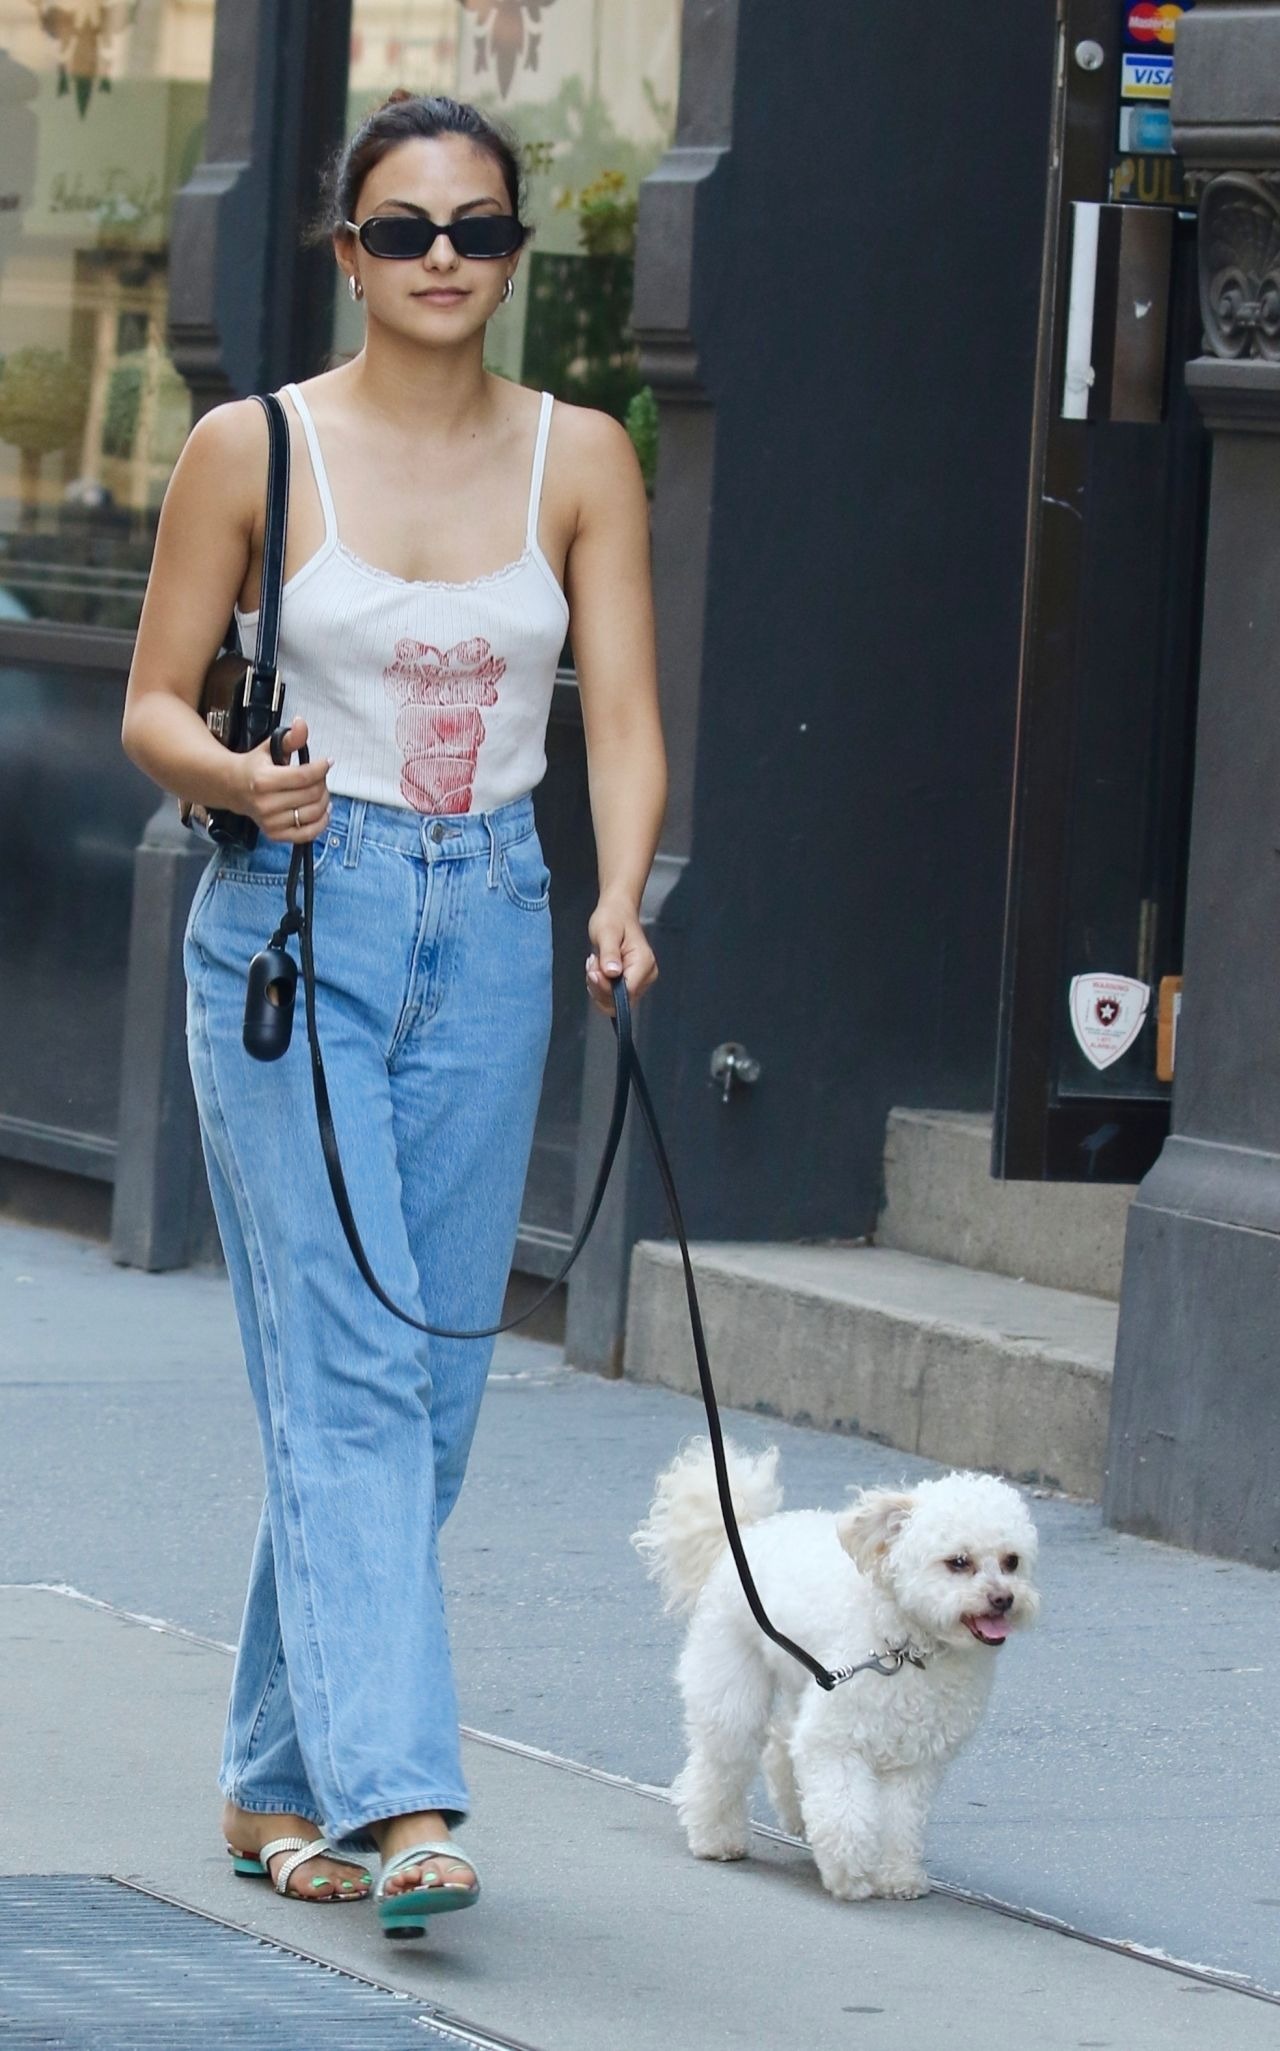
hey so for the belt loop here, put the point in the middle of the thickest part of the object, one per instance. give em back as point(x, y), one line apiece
point(355, 832)
point(492, 831)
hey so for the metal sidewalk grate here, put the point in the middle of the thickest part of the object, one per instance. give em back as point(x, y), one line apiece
point(87, 1964)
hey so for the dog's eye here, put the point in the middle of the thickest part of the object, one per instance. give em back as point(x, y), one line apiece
point(1010, 1563)
point(961, 1564)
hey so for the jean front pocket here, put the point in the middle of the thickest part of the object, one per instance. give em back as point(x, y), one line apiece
point(268, 861)
point(204, 884)
point(526, 878)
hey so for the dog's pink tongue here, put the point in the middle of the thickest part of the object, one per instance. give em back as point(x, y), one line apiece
point(994, 1629)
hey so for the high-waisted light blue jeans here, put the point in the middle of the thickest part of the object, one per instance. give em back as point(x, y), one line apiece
point(433, 977)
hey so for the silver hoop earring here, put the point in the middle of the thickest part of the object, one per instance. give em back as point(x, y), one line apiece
point(354, 287)
point(509, 289)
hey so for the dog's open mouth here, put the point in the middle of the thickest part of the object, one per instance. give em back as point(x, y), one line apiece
point(988, 1630)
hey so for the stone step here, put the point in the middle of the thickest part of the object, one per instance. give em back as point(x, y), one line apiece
point(941, 1200)
point(976, 1370)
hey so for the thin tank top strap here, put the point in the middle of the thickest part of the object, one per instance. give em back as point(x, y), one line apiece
point(318, 470)
point(539, 465)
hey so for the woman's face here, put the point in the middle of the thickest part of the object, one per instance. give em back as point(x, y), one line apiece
point(440, 298)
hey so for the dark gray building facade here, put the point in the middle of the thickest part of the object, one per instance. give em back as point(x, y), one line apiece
point(931, 654)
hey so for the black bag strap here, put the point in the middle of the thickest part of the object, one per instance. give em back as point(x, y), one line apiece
point(263, 690)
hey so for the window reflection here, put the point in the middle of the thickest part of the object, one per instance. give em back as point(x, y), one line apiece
point(102, 110)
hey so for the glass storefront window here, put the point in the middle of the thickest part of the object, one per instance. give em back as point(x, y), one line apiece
point(589, 89)
point(102, 111)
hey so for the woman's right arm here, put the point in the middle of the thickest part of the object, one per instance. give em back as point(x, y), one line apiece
point(205, 540)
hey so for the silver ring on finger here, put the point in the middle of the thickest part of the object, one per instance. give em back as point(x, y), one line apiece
point(296, 820)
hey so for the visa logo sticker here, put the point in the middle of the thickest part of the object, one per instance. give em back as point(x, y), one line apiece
point(1147, 78)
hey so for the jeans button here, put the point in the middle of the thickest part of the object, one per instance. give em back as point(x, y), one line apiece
point(438, 830)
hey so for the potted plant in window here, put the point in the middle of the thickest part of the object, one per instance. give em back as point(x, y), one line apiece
point(578, 338)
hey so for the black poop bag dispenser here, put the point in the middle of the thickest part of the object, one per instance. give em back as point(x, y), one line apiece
point(268, 1003)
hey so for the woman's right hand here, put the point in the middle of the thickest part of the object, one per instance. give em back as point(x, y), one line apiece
point(269, 793)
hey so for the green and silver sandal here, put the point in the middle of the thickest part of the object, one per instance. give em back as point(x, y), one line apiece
point(303, 1848)
point(404, 1914)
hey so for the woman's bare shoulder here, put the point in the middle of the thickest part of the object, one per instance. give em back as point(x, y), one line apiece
point(224, 455)
point(236, 427)
point(588, 432)
point(220, 476)
point(594, 455)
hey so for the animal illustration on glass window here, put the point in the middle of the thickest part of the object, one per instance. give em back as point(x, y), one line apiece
point(80, 33)
point(502, 35)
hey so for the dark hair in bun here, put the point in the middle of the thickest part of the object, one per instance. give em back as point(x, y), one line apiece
point(401, 117)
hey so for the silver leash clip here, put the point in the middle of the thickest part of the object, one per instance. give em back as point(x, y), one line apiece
point(879, 1663)
point(890, 1662)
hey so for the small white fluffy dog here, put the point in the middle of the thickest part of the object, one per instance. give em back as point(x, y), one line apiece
point(945, 1569)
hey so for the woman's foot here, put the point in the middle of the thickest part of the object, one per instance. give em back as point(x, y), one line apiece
point(396, 1833)
point(315, 1879)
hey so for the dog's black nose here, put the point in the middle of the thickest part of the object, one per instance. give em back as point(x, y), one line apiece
point(1001, 1603)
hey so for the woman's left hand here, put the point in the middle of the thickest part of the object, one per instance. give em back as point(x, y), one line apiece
point(619, 948)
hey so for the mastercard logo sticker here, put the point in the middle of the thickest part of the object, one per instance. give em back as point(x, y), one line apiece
point(1152, 24)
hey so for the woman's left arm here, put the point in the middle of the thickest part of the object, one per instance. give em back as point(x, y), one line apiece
point(609, 588)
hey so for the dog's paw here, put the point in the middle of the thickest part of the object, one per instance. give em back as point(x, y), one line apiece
point(901, 1886)
point(846, 1886)
point(713, 1844)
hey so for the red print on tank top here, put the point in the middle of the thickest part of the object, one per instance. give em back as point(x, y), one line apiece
point(438, 726)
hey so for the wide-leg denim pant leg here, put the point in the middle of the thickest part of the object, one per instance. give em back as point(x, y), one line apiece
point(433, 957)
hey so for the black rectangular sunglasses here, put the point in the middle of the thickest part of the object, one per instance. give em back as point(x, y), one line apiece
point(402, 236)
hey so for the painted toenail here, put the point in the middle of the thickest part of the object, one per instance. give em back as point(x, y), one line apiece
point(320, 1883)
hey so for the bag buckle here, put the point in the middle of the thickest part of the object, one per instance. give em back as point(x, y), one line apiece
point(277, 691)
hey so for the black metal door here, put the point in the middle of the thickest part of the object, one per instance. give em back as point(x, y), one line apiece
point(1110, 640)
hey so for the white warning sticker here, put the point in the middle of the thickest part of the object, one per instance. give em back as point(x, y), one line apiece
point(1107, 1014)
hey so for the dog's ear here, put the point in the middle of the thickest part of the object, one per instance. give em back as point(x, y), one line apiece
point(869, 1527)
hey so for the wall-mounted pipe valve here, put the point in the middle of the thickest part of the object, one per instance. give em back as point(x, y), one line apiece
point(732, 1065)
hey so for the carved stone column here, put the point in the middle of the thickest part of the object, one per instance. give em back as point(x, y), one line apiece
point(1195, 1429)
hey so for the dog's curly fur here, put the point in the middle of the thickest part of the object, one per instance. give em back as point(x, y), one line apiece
point(946, 1567)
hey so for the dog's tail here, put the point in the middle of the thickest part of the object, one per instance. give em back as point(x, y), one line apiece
point(683, 1535)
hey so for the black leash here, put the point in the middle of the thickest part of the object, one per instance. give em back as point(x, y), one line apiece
point(268, 1027)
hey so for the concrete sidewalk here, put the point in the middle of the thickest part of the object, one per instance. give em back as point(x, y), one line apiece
point(596, 1932)
point(1123, 1782)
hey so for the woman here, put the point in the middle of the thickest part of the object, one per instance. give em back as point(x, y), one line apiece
point(419, 643)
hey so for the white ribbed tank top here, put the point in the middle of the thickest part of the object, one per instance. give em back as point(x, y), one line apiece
point(426, 694)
